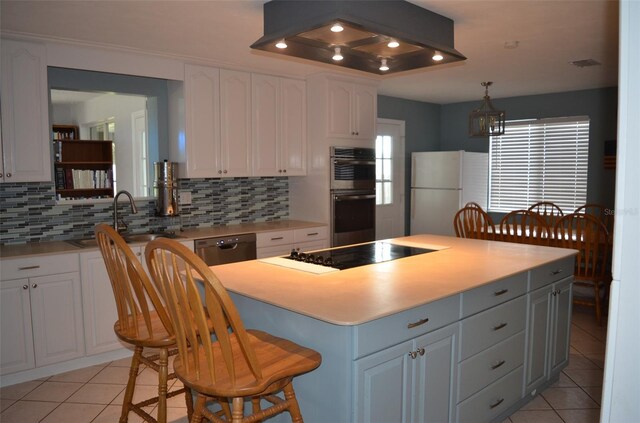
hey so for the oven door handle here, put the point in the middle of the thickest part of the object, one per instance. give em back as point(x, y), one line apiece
point(353, 197)
point(355, 162)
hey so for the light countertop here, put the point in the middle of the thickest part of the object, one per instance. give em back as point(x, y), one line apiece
point(60, 247)
point(362, 294)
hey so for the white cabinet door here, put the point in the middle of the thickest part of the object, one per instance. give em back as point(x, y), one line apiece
point(436, 376)
point(56, 310)
point(202, 114)
point(364, 111)
point(293, 120)
point(538, 338)
point(99, 305)
point(265, 91)
point(25, 113)
point(560, 324)
point(339, 122)
point(16, 348)
point(383, 385)
point(235, 123)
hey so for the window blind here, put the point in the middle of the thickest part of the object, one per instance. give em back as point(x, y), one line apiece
point(539, 160)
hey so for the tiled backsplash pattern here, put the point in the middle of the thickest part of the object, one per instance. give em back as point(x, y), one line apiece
point(28, 211)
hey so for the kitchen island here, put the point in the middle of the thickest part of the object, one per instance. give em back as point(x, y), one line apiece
point(466, 333)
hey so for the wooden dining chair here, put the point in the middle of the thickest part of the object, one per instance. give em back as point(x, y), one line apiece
point(237, 363)
point(548, 211)
point(589, 236)
point(601, 212)
point(473, 222)
point(524, 227)
point(142, 322)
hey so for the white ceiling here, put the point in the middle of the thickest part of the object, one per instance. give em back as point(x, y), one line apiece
point(551, 34)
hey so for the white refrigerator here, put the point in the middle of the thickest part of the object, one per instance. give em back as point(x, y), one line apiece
point(442, 182)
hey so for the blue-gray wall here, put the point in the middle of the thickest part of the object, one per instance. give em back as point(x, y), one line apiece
point(444, 127)
point(422, 132)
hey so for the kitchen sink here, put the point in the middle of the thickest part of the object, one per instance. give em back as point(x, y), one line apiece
point(129, 239)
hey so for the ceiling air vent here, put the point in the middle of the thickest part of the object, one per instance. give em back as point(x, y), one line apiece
point(586, 62)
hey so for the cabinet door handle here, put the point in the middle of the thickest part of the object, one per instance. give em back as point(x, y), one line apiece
point(277, 238)
point(25, 286)
point(0, 175)
point(500, 326)
point(498, 364)
point(8, 175)
point(413, 354)
point(312, 234)
point(501, 292)
point(555, 272)
point(421, 351)
point(497, 403)
point(35, 285)
point(224, 171)
point(29, 267)
point(219, 172)
point(418, 323)
point(284, 170)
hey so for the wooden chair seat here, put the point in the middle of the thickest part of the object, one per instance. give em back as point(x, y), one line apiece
point(154, 336)
point(279, 358)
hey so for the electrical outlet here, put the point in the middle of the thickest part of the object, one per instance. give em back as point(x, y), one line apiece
point(185, 198)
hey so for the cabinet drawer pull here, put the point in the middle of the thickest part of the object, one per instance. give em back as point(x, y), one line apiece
point(497, 403)
point(555, 272)
point(500, 363)
point(500, 326)
point(418, 323)
point(501, 292)
point(277, 238)
point(413, 354)
point(29, 267)
point(312, 234)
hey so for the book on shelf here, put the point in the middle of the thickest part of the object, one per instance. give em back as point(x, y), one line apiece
point(60, 178)
point(68, 178)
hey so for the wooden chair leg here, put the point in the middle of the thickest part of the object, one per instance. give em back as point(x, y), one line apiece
point(163, 371)
point(131, 385)
point(255, 406)
point(294, 408)
point(189, 402)
point(237, 412)
point(201, 401)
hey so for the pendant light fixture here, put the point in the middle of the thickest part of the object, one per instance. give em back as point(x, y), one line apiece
point(486, 120)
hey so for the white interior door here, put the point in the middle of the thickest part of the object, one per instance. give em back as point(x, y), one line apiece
point(390, 179)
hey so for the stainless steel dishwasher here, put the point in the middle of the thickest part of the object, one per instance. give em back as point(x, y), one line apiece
point(227, 249)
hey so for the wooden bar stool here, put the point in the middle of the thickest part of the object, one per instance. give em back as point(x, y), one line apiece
point(139, 324)
point(240, 363)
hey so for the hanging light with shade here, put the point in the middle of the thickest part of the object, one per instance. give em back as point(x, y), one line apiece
point(486, 120)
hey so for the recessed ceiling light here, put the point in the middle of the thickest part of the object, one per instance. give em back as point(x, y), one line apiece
point(437, 56)
point(383, 65)
point(393, 44)
point(281, 44)
point(337, 56)
point(337, 27)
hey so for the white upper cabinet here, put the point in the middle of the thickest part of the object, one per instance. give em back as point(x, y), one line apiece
point(202, 119)
point(279, 126)
point(25, 148)
point(235, 123)
point(352, 110)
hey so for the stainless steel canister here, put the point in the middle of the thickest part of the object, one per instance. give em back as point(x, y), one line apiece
point(165, 188)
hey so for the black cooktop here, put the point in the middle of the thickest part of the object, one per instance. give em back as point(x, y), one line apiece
point(358, 255)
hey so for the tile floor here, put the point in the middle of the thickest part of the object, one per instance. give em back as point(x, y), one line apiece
point(94, 394)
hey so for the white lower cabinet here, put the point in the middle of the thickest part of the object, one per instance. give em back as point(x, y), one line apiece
point(99, 305)
point(41, 314)
point(280, 243)
point(409, 382)
point(548, 332)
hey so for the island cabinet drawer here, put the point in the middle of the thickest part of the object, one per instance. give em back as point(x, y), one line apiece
point(269, 239)
point(492, 326)
point(490, 365)
point(491, 295)
point(310, 234)
point(38, 266)
point(493, 400)
point(390, 330)
point(551, 272)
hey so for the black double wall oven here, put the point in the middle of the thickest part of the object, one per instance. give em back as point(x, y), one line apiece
point(353, 195)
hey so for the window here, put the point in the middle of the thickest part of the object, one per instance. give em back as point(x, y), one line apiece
point(539, 160)
point(384, 177)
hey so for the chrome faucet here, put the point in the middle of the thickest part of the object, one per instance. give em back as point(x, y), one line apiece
point(120, 225)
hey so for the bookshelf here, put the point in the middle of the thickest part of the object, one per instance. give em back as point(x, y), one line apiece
point(83, 168)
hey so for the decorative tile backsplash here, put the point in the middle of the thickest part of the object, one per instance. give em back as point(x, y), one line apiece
point(28, 211)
